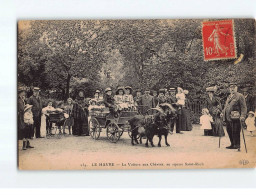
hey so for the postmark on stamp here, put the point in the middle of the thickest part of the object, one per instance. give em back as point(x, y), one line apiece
point(218, 40)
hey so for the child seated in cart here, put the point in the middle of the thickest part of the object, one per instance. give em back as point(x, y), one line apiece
point(128, 98)
point(119, 99)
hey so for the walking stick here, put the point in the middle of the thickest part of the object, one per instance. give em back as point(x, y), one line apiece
point(242, 129)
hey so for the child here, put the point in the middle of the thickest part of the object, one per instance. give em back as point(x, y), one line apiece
point(250, 122)
point(128, 98)
point(180, 97)
point(119, 99)
point(28, 120)
point(205, 121)
point(45, 118)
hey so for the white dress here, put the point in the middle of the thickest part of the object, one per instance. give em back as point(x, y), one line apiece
point(250, 124)
point(205, 121)
point(181, 98)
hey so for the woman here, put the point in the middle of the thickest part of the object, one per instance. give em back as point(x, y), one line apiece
point(70, 120)
point(46, 126)
point(80, 115)
point(184, 118)
point(214, 106)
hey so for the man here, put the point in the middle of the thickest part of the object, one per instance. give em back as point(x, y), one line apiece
point(250, 102)
point(138, 101)
point(155, 98)
point(172, 101)
point(36, 102)
point(147, 101)
point(234, 111)
point(109, 100)
point(21, 105)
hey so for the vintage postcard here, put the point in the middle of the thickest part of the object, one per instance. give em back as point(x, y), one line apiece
point(136, 94)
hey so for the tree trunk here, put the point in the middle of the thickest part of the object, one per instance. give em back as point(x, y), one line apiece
point(67, 87)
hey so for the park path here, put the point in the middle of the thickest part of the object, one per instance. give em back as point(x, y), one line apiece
point(187, 150)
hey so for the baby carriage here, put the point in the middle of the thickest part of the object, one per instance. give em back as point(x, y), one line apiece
point(56, 118)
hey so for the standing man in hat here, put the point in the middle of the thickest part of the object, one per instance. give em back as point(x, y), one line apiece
point(138, 100)
point(36, 102)
point(147, 101)
point(173, 101)
point(234, 113)
point(250, 101)
point(21, 105)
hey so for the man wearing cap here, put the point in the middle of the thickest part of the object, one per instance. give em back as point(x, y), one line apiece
point(147, 101)
point(109, 99)
point(21, 105)
point(138, 100)
point(173, 101)
point(234, 113)
point(250, 101)
point(36, 102)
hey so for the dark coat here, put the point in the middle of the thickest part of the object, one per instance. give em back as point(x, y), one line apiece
point(21, 105)
point(37, 106)
point(235, 103)
point(109, 100)
point(212, 104)
point(250, 102)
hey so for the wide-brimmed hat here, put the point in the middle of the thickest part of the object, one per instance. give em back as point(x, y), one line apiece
point(27, 106)
point(118, 89)
point(108, 89)
point(97, 91)
point(251, 112)
point(128, 87)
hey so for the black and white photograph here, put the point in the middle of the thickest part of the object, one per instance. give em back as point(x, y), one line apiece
point(136, 94)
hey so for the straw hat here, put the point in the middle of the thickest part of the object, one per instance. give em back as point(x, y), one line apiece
point(27, 106)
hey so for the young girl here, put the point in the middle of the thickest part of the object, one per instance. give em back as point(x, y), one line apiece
point(250, 122)
point(119, 99)
point(128, 98)
point(46, 126)
point(28, 120)
point(205, 121)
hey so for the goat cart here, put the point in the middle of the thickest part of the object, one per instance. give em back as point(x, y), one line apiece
point(115, 126)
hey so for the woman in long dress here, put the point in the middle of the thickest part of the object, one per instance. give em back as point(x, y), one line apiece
point(184, 117)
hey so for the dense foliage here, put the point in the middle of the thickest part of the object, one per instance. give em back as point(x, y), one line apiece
point(56, 55)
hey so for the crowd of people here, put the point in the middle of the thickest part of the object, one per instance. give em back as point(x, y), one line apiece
point(33, 118)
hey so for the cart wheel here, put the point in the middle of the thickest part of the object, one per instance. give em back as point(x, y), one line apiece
point(94, 128)
point(113, 133)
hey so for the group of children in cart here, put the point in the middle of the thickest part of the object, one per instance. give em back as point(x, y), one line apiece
point(123, 100)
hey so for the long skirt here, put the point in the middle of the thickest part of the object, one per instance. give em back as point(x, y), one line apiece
point(184, 120)
point(218, 127)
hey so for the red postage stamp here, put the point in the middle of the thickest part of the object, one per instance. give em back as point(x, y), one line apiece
point(218, 40)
